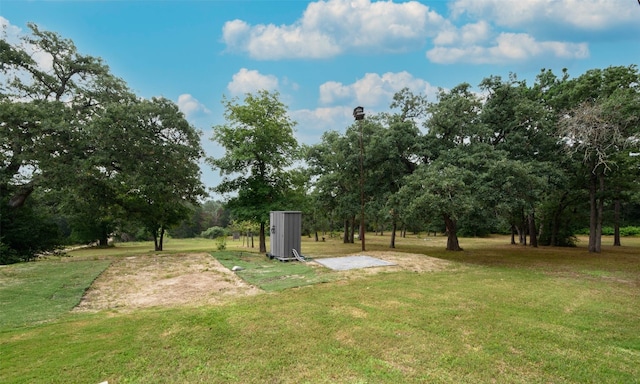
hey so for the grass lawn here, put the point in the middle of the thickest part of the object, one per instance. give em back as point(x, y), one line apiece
point(39, 291)
point(505, 314)
point(273, 275)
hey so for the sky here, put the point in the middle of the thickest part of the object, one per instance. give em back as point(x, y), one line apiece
point(327, 57)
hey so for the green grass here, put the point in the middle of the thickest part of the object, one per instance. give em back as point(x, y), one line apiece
point(40, 291)
point(511, 315)
point(270, 274)
point(136, 248)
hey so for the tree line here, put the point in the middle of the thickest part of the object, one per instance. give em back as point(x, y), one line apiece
point(537, 161)
point(83, 158)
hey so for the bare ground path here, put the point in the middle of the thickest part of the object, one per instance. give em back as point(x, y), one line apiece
point(195, 279)
point(164, 280)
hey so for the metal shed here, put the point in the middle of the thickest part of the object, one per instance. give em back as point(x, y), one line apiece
point(286, 234)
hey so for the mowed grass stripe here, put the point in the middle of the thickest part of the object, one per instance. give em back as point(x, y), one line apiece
point(44, 290)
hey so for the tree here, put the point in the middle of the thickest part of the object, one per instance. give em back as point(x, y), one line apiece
point(209, 214)
point(443, 184)
point(519, 123)
point(260, 147)
point(396, 149)
point(440, 190)
point(589, 131)
point(335, 163)
point(603, 121)
point(45, 107)
point(150, 155)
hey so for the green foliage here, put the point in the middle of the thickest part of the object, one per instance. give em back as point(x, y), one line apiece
point(609, 231)
point(78, 133)
point(158, 182)
point(27, 232)
point(209, 214)
point(259, 149)
point(221, 243)
point(626, 231)
point(213, 232)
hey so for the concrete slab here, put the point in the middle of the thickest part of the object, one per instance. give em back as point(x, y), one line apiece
point(352, 262)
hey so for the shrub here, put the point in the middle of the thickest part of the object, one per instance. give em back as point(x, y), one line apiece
point(213, 232)
point(221, 243)
point(26, 232)
point(608, 231)
point(629, 231)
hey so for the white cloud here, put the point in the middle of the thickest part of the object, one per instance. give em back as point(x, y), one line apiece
point(332, 91)
point(312, 123)
point(468, 34)
point(329, 28)
point(374, 90)
point(249, 81)
point(190, 106)
point(508, 47)
point(13, 35)
point(579, 14)
point(10, 32)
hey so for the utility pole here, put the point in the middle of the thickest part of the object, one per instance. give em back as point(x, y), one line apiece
point(358, 114)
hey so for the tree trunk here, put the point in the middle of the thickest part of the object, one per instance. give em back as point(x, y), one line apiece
point(104, 238)
point(155, 241)
point(555, 228)
point(21, 196)
point(353, 230)
point(532, 230)
point(592, 212)
point(452, 234)
point(263, 242)
point(556, 220)
point(316, 236)
point(616, 223)
point(600, 213)
point(346, 232)
point(513, 234)
point(161, 242)
point(394, 226)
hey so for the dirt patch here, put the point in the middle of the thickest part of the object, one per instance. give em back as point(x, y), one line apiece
point(407, 262)
point(199, 279)
point(164, 280)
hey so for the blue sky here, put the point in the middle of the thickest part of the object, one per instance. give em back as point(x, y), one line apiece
point(326, 57)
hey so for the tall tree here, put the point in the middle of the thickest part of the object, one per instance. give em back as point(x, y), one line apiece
point(397, 148)
point(46, 107)
point(46, 102)
point(440, 190)
point(603, 120)
point(441, 185)
point(149, 153)
point(260, 148)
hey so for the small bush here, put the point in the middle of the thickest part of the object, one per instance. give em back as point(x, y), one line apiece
point(221, 243)
point(213, 232)
point(609, 231)
point(629, 231)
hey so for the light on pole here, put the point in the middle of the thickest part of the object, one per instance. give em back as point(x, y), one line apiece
point(358, 114)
